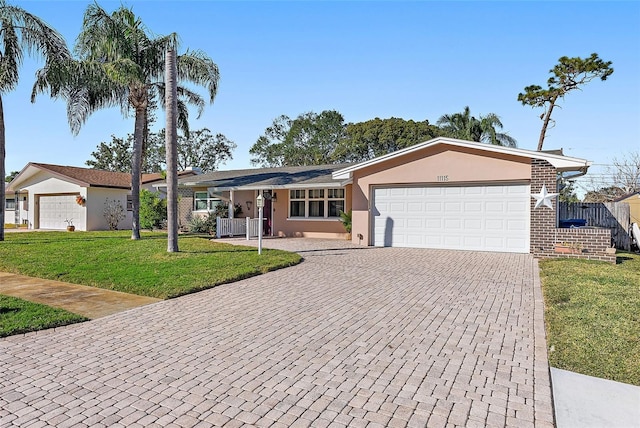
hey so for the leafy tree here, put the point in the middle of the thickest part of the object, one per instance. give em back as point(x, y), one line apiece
point(121, 64)
point(113, 156)
point(201, 149)
point(11, 176)
point(377, 137)
point(569, 74)
point(604, 194)
point(483, 129)
point(21, 33)
point(310, 139)
point(204, 150)
point(153, 210)
point(567, 191)
point(269, 150)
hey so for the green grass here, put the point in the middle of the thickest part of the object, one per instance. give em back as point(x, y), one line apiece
point(113, 261)
point(19, 316)
point(592, 316)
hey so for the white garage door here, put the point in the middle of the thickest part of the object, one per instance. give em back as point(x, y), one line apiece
point(485, 218)
point(54, 210)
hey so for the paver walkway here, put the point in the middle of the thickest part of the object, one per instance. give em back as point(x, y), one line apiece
point(350, 337)
point(90, 302)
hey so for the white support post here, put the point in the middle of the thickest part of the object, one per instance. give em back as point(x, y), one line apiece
point(260, 204)
point(247, 218)
point(231, 204)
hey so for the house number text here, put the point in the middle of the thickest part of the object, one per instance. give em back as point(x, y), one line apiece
point(443, 178)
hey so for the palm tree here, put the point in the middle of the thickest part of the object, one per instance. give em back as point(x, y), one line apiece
point(171, 141)
point(120, 64)
point(466, 127)
point(20, 33)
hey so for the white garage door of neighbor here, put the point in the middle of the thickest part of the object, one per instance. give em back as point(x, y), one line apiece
point(484, 218)
point(54, 210)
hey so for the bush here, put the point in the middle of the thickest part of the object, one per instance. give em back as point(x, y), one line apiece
point(113, 213)
point(153, 210)
point(207, 223)
point(202, 224)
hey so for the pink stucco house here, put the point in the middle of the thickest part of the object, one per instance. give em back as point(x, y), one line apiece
point(443, 193)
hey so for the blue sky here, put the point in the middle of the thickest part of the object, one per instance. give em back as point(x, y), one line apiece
point(413, 60)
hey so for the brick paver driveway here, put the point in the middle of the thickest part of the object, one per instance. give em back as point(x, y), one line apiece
point(350, 337)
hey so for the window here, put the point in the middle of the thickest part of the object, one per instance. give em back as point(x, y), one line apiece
point(316, 203)
point(129, 202)
point(10, 204)
point(336, 202)
point(202, 202)
point(297, 203)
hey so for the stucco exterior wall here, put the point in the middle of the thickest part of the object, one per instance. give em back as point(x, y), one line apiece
point(96, 203)
point(437, 166)
point(241, 197)
point(308, 228)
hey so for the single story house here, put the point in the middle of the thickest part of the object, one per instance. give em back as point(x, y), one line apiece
point(53, 194)
point(443, 193)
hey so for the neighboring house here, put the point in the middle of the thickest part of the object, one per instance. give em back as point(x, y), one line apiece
point(443, 193)
point(15, 207)
point(633, 199)
point(56, 193)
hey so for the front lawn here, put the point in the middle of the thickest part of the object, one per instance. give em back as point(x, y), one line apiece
point(592, 316)
point(113, 261)
point(19, 316)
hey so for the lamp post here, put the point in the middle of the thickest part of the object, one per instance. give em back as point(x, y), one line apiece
point(259, 205)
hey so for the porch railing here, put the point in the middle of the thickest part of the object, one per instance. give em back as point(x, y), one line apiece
point(237, 226)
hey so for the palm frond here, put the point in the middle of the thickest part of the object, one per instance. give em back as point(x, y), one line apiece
point(196, 67)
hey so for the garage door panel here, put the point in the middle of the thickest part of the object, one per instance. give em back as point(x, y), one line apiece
point(495, 207)
point(472, 224)
point(491, 218)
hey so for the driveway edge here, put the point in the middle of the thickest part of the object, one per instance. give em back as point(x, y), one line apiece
point(542, 391)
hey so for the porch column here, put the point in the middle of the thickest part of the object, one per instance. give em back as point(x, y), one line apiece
point(231, 204)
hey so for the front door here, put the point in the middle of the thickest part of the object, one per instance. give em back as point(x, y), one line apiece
point(266, 213)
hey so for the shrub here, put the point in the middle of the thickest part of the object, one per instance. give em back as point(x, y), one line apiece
point(113, 213)
point(153, 210)
point(202, 224)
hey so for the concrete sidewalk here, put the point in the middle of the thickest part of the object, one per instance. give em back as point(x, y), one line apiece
point(585, 401)
point(90, 302)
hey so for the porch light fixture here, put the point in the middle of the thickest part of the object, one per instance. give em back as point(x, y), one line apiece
point(249, 205)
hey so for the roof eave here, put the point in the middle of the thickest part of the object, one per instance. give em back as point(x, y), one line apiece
point(560, 162)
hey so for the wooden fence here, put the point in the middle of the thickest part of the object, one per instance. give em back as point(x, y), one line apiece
point(612, 215)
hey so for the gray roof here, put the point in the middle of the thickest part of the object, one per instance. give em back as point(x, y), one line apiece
point(267, 178)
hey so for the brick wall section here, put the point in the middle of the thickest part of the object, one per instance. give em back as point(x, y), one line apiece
point(185, 205)
point(544, 233)
point(543, 220)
